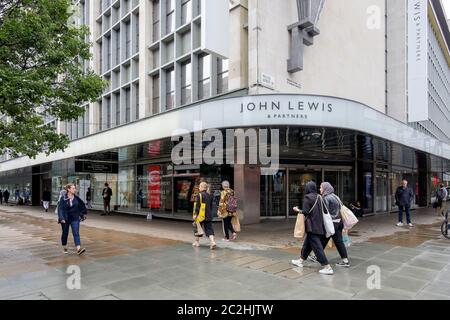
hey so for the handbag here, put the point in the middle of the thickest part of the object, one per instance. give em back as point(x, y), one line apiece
point(347, 215)
point(236, 224)
point(327, 220)
point(299, 230)
point(201, 213)
point(198, 230)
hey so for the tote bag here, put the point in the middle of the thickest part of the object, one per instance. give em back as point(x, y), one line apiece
point(236, 224)
point(201, 213)
point(299, 230)
point(327, 220)
point(348, 217)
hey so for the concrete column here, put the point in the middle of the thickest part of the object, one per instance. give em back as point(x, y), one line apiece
point(247, 187)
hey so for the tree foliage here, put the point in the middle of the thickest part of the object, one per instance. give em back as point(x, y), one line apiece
point(41, 74)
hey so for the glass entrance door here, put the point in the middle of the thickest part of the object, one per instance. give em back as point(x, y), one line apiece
point(381, 192)
point(297, 181)
point(273, 194)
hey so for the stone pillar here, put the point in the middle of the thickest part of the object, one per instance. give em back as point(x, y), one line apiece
point(247, 188)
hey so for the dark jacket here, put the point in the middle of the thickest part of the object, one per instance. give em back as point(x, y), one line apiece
point(313, 218)
point(6, 194)
point(107, 193)
point(404, 196)
point(65, 211)
point(333, 205)
point(206, 199)
point(46, 196)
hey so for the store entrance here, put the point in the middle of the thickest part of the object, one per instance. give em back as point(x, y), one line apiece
point(285, 189)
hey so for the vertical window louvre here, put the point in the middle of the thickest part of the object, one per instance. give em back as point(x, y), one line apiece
point(127, 105)
point(170, 89)
point(117, 98)
point(100, 116)
point(137, 102)
point(186, 83)
point(204, 76)
point(186, 11)
point(170, 16)
point(222, 75)
point(156, 20)
point(155, 90)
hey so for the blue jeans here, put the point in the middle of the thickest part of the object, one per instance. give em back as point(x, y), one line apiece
point(75, 225)
point(400, 214)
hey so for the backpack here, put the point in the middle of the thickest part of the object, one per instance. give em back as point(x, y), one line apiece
point(440, 195)
point(231, 204)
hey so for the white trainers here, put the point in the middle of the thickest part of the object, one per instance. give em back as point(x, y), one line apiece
point(400, 224)
point(410, 224)
point(298, 263)
point(326, 271)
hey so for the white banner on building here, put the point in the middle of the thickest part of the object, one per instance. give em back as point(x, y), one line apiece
point(417, 60)
point(215, 27)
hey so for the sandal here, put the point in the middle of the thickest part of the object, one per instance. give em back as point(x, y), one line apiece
point(234, 236)
point(213, 246)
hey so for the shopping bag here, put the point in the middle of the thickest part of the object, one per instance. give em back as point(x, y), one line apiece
point(327, 220)
point(198, 230)
point(201, 213)
point(236, 224)
point(346, 238)
point(348, 217)
point(299, 230)
point(330, 243)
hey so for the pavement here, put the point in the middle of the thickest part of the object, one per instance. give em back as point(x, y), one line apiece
point(130, 257)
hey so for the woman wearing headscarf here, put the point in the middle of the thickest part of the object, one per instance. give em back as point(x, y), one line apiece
point(333, 204)
point(315, 231)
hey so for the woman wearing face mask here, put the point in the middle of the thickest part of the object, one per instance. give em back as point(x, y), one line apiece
point(315, 231)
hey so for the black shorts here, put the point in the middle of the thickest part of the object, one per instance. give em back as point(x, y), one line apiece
point(207, 228)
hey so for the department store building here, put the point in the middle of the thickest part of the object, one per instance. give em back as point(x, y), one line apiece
point(357, 90)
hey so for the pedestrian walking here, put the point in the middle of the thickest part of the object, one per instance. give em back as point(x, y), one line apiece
point(6, 196)
point(71, 211)
point(89, 198)
point(403, 198)
point(1, 196)
point(315, 230)
point(17, 195)
point(227, 210)
point(46, 198)
point(107, 194)
point(333, 204)
point(203, 214)
point(440, 203)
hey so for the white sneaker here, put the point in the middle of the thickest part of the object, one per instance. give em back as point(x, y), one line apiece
point(326, 271)
point(298, 263)
point(410, 224)
point(400, 224)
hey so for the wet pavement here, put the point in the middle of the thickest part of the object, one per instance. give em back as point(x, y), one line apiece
point(133, 258)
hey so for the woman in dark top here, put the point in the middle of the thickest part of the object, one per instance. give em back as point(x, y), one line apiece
point(315, 230)
point(206, 199)
point(333, 203)
point(71, 211)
